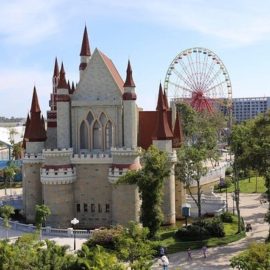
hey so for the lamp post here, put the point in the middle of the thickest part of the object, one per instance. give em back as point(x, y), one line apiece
point(233, 198)
point(74, 221)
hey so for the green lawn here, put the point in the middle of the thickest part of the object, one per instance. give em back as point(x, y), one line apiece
point(174, 245)
point(247, 186)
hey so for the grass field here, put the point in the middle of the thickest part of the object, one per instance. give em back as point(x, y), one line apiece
point(175, 245)
point(248, 186)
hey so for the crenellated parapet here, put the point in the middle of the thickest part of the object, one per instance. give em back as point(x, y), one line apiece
point(172, 156)
point(33, 158)
point(125, 151)
point(100, 158)
point(53, 176)
point(115, 173)
point(57, 152)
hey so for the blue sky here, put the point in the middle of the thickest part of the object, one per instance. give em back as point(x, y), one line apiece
point(149, 33)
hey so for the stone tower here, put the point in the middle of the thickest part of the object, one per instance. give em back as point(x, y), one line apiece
point(125, 198)
point(85, 53)
point(35, 137)
point(162, 139)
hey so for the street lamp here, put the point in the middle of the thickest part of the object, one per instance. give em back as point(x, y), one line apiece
point(74, 221)
point(233, 198)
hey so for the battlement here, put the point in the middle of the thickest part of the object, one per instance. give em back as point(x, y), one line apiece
point(33, 158)
point(125, 151)
point(58, 176)
point(115, 173)
point(173, 156)
point(99, 158)
point(57, 152)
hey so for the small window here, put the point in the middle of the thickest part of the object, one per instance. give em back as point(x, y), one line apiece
point(85, 207)
point(78, 208)
point(99, 208)
point(107, 208)
point(92, 208)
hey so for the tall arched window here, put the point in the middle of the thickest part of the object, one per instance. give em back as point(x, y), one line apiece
point(103, 119)
point(83, 136)
point(108, 135)
point(90, 118)
point(97, 136)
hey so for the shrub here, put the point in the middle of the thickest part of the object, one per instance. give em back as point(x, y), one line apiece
point(192, 232)
point(227, 217)
point(106, 238)
point(229, 171)
point(215, 227)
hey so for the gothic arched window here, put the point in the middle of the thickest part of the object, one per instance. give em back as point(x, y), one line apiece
point(83, 136)
point(97, 136)
point(103, 119)
point(108, 135)
point(90, 118)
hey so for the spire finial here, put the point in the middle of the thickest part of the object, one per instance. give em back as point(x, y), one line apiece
point(56, 68)
point(85, 49)
point(129, 79)
point(35, 105)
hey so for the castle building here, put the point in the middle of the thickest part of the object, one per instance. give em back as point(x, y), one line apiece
point(95, 133)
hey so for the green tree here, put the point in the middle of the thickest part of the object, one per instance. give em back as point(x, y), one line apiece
point(150, 179)
point(9, 173)
point(42, 212)
point(201, 138)
point(97, 258)
point(6, 211)
point(257, 256)
point(133, 246)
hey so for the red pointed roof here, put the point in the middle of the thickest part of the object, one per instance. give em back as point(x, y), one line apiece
point(36, 129)
point(56, 68)
point(35, 105)
point(129, 79)
point(85, 49)
point(26, 131)
point(160, 103)
point(177, 133)
point(112, 69)
point(163, 130)
point(62, 80)
point(166, 100)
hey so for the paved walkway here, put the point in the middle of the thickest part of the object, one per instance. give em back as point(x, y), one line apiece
point(219, 257)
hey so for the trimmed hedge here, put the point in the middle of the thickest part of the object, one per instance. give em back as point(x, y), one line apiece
point(226, 217)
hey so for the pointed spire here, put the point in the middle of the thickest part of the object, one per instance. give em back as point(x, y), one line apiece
point(36, 129)
point(26, 131)
point(166, 100)
point(161, 106)
point(62, 80)
point(177, 133)
point(129, 79)
point(72, 88)
point(163, 130)
point(35, 105)
point(85, 49)
point(56, 68)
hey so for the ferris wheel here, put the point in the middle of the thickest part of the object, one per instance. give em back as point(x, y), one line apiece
point(199, 77)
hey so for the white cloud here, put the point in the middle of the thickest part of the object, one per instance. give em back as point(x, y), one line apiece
point(235, 22)
point(29, 21)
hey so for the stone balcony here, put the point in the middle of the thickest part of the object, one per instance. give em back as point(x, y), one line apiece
point(92, 158)
point(57, 152)
point(57, 176)
point(33, 158)
point(124, 151)
point(115, 173)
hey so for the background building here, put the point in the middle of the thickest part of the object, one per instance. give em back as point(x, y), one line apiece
point(247, 108)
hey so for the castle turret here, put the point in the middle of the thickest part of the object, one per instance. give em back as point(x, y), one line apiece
point(130, 110)
point(51, 114)
point(85, 52)
point(162, 138)
point(35, 137)
point(63, 111)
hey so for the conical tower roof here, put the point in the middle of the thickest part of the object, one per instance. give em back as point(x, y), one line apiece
point(177, 133)
point(85, 49)
point(166, 100)
point(62, 80)
point(56, 68)
point(163, 130)
point(36, 129)
point(129, 79)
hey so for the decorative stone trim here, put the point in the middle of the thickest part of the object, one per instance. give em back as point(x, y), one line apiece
point(173, 156)
point(92, 159)
point(55, 177)
point(125, 151)
point(63, 152)
point(33, 158)
point(115, 173)
point(62, 98)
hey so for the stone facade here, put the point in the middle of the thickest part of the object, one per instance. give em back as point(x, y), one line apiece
point(91, 141)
